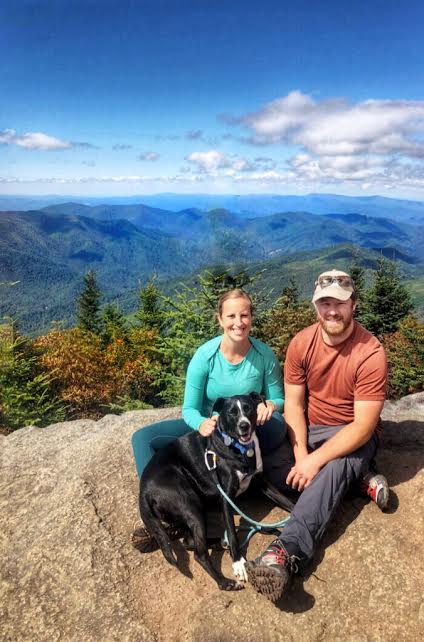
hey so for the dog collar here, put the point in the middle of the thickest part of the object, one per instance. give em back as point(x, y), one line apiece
point(245, 449)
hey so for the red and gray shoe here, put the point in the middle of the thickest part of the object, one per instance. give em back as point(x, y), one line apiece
point(270, 573)
point(376, 487)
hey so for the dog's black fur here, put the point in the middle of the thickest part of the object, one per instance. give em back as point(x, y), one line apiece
point(176, 485)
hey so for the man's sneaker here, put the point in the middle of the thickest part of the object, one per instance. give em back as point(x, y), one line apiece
point(270, 572)
point(375, 486)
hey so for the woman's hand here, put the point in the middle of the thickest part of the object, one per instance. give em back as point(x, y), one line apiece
point(265, 412)
point(207, 426)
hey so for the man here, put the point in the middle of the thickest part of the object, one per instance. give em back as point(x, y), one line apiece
point(335, 378)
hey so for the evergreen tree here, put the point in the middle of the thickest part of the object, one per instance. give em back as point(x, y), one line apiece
point(286, 318)
point(89, 305)
point(26, 395)
point(150, 315)
point(357, 273)
point(405, 356)
point(113, 324)
point(387, 302)
point(290, 293)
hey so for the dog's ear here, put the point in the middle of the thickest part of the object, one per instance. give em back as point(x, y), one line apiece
point(218, 405)
point(257, 398)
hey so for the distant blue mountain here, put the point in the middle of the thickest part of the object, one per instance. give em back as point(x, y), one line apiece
point(255, 205)
point(259, 237)
point(249, 205)
point(47, 251)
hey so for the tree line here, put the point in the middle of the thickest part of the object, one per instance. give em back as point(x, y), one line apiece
point(112, 363)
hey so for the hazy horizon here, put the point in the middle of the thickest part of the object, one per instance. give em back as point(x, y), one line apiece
point(53, 195)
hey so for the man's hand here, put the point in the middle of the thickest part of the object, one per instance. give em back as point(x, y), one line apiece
point(207, 426)
point(264, 412)
point(303, 472)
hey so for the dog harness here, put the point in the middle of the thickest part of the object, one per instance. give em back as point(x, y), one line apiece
point(210, 461)
point(249, 450)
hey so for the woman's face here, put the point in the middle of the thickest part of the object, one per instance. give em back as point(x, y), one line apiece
point(236, 319)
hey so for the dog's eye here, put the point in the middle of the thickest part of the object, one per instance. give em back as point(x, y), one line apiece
point(246, 408)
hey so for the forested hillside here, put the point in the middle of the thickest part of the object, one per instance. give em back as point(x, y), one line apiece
point(108, 362)
point(46, 252)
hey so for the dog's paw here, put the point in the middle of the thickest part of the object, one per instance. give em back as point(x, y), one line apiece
point(230, 585)
point(239, 570)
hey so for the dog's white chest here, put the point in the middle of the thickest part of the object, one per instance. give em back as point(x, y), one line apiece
point(245, 478)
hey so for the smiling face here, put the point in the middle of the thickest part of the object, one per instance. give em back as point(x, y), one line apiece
point(236, 319)
point(336, 318)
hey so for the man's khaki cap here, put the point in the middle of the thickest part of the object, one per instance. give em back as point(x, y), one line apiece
point(334, 290)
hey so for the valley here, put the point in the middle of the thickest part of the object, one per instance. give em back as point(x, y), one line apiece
point(45, 252)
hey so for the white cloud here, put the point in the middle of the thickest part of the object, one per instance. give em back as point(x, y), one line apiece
point(78, 180)
point(303, 171)
point(335, 127)
point(148, 156)
point(212, 161)
point(119, 147)
point(208, 161)
point(340, 168)
point(194, 134)
point(33, 141)
point(372, 144)
point(83, 145)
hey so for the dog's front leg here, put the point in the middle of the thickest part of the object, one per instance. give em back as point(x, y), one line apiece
point(238, 560)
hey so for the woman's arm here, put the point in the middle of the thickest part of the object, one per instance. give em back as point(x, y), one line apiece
point(273, 382)
point(272, 388)
point(194, 393)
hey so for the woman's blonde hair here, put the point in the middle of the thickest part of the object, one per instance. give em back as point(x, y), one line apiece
point(237, 293)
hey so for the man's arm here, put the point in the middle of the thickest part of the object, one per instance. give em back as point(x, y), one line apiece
point(347, 440)
point(294, 415)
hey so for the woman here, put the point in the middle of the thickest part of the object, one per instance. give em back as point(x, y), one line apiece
point(230, 364)
point(233, 364)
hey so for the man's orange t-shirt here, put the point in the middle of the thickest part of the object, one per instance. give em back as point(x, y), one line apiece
point(336, 376)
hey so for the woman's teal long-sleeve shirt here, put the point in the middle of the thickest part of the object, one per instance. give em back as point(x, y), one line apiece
point(210, 376)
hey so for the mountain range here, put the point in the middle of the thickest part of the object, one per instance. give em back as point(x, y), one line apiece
point(263, 236)
point(248, 205)
point(48, 250)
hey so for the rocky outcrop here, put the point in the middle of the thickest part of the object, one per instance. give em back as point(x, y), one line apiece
point(68, 501)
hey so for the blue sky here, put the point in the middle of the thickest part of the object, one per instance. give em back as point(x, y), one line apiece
point(105, 97)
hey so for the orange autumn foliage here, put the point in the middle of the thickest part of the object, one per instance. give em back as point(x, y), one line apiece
point(88, 376)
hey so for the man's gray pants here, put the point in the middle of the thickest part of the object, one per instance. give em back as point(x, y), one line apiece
point(317, 503)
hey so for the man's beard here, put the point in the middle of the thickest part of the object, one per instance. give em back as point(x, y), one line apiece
point(335, 330)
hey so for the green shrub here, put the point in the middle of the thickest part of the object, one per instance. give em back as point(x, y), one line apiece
point(285, 319)
point(26, 392)
point(405, 355)
point(125, 403)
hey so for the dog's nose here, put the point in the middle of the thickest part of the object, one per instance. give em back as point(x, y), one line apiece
point(244, 425)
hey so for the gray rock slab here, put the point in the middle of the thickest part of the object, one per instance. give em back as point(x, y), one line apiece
point(68, 504)
point(403, 421)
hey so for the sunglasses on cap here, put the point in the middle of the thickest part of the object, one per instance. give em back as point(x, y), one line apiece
point(342, 281)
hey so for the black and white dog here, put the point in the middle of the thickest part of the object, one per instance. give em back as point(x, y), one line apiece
point(181, 479)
